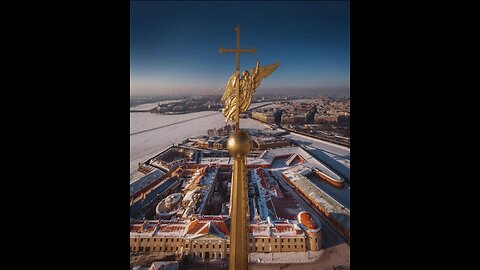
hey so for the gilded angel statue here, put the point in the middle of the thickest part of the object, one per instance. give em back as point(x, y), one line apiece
point(249, 82)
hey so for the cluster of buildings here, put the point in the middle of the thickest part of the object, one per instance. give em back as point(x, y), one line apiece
point(208, 237)
point(261, 140)
point(312, 111)
point(181, 204)
point(189, 106)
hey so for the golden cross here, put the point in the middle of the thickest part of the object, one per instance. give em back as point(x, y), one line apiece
point(237, 51)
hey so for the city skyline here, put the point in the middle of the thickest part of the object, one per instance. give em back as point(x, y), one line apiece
point(174, 46)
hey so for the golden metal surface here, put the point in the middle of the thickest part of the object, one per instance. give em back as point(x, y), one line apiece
point(239, 145)
point(238, 229)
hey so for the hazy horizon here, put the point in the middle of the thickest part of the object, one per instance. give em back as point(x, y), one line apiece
point(333, 91)
point(174, 46)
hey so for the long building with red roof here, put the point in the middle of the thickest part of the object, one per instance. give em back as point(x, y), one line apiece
point(208, 237)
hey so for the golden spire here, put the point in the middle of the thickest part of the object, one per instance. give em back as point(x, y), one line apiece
point(239, 145)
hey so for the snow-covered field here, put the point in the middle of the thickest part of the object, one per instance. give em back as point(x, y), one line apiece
point(145, 121)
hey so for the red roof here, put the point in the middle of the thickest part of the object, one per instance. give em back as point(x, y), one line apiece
point(204, 226)
point(307, 220)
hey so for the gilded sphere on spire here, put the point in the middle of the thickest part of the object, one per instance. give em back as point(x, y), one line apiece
point(239, 144)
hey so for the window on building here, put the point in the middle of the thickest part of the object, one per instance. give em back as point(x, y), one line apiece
point(269, 240)
point(140, 249)
point(161, 239)
point(295, 246)
point(263, 240)
point(213, 246)
point(295, 240)
point(194, 246)
point(154, 239)
point(186, 245)
point(153, 248)
point(250, 248)
point(148, 239)
point(301, 246)
point(194, 254)
point(276, 246)
point(288, 240)
point(171, 248)
point(206, 246)
point(147, 249)
point(141, 239)
point(200, 254)
point(219, 246)
point(288, 246)
point(250, 240)
point(176, 249)
point(256, 248)
point(263, 248)
point(228, 245)
point(200, 246)
point(166, 240)
point(135, 240)
point(316, 240)
point(213, 255)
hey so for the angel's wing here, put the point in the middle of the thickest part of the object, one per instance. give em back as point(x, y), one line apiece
point(229, 87)
point(259, 73)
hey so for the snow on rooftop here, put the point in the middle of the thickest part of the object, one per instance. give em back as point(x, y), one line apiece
point(176, 229)
point(326, 201)
point(279, 229)
point(262, 204)
point(137, 185)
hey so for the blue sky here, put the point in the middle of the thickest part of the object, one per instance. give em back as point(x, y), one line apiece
point(174, 45)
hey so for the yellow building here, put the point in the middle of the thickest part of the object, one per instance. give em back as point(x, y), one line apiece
point(312, 230)
point(208, 237)
point(278, 236)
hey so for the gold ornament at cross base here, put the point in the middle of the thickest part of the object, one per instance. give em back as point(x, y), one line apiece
point(239, 145)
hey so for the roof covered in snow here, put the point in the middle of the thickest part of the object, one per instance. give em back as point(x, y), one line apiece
point(329, 204)
point(275, 229)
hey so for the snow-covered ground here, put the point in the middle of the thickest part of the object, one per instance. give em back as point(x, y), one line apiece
point(285, 257)
point(145, 121)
